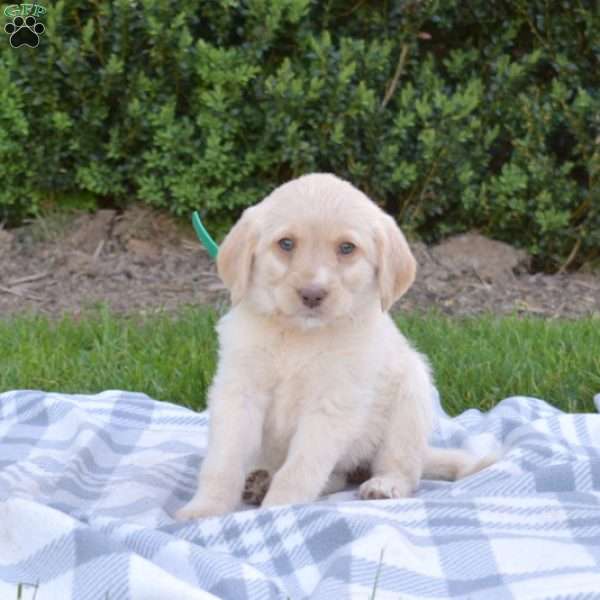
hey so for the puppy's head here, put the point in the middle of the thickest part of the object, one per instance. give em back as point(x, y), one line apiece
point(315, 250)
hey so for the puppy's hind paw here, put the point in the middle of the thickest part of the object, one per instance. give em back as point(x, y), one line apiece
point(256, 487)
point(385, 486)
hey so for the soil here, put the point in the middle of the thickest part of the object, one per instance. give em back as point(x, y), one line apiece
point(143, 261)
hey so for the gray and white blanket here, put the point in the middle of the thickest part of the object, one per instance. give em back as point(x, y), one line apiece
point(89, 484)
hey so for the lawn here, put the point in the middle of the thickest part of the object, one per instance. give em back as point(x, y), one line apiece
point(477, 361)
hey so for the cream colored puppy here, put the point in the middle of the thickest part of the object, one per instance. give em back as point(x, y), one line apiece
point(314, 380)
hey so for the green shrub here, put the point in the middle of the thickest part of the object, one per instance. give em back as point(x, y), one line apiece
point(451, 115)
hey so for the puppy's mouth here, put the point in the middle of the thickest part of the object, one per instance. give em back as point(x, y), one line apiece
point(310, 318)
point(310, 321)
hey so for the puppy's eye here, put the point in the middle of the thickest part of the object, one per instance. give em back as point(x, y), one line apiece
point(286, 244)
point(346, 248)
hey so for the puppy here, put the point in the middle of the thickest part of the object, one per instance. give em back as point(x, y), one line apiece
point(314, 380)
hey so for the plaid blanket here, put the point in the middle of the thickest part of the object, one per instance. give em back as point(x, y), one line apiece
point(89, 484)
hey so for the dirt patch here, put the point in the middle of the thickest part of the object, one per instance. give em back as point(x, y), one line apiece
point(492, 277)
point(139, 260)
point(142, 261)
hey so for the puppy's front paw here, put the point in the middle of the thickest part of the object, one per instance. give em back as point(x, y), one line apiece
point(199, 509)
point(385, 486)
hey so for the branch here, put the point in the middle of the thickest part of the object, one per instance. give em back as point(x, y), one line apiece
point(394, 83)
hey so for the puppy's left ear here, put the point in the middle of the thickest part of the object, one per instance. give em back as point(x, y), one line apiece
point(236, 255)
point(396, 265)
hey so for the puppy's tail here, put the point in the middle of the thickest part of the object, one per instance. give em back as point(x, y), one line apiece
point(451, 464)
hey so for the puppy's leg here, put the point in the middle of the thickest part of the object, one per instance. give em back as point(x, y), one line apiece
point(314, 451)
point(236, 420)
point(398, 463)
point(336, 483)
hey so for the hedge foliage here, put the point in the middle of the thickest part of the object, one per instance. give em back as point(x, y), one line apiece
point(452, 115)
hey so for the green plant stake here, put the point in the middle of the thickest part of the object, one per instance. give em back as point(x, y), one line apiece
point(203, 235)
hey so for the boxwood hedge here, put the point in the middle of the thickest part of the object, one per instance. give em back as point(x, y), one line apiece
point(452, 115)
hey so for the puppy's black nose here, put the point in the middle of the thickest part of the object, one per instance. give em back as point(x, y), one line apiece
point(312, 296)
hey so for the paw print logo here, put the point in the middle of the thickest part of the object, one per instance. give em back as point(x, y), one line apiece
point(24, 32)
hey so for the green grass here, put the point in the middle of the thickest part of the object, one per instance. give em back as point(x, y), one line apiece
point(168, 357)
point(477, 361)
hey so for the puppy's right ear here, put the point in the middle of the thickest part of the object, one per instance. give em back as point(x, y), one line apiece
point(236, 255)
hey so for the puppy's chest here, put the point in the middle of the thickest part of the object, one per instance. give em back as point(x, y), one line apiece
point(302, 371)
point(318, 381)
point(298, 380)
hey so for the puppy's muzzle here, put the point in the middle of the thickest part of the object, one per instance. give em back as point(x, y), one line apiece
point(312, 296)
